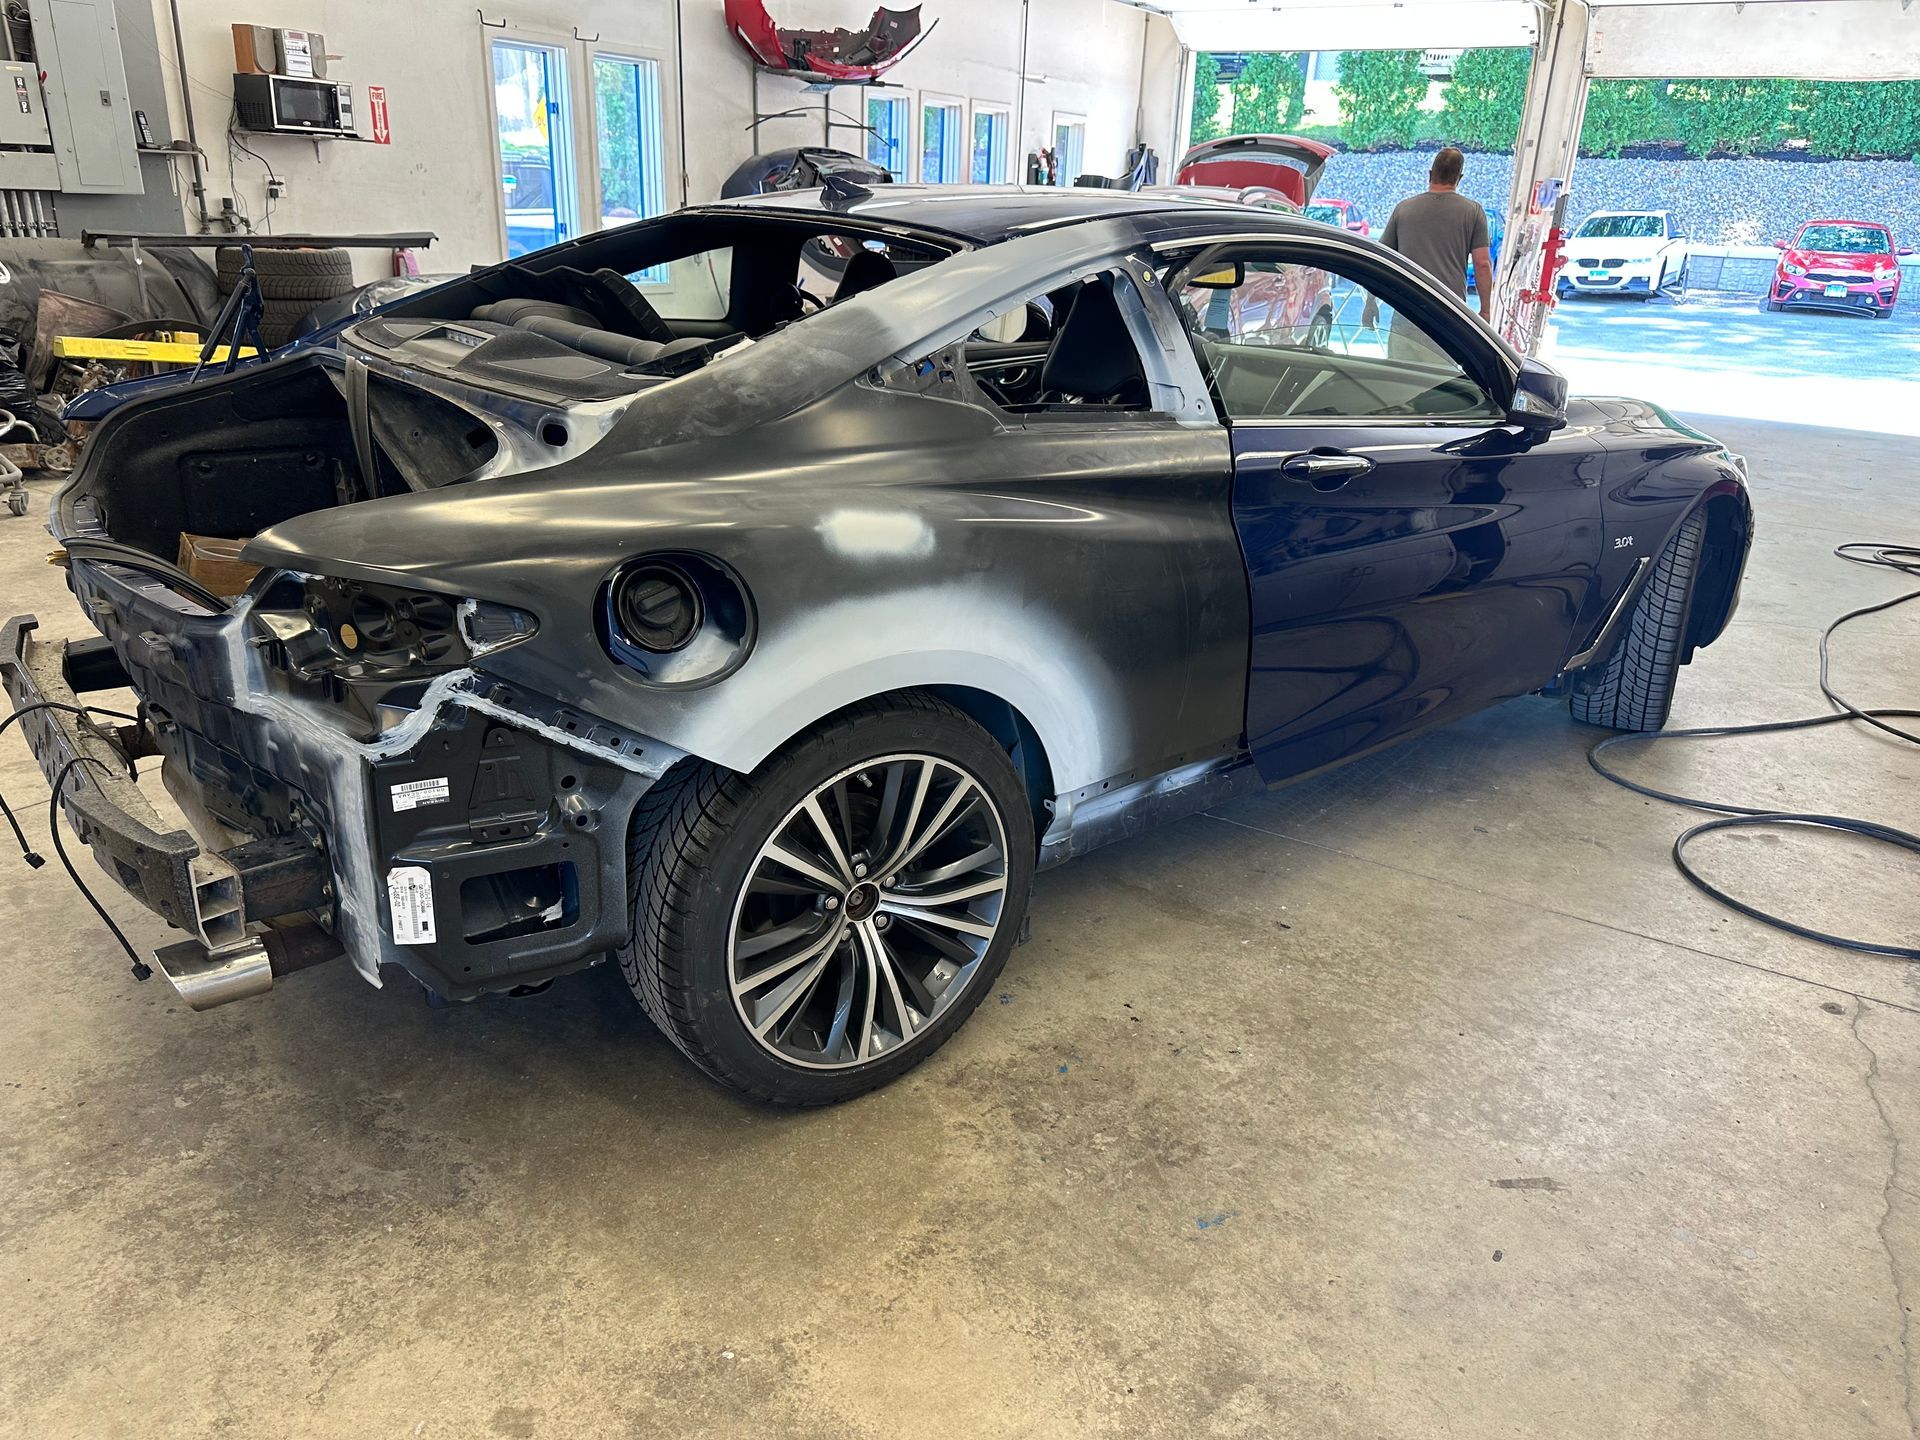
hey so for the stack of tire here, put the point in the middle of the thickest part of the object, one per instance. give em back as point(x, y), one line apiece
point(292, 282)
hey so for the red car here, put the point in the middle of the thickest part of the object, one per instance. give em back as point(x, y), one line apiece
point(1838, 265)
point(1343, 213)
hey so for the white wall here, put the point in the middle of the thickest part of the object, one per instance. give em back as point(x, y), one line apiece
point(1084, 58)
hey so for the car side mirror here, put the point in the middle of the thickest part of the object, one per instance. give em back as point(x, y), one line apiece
point(1779, 244)
point(1539, 399)
point(1904, 250)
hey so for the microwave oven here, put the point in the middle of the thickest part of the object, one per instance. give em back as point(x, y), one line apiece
point(290, 106)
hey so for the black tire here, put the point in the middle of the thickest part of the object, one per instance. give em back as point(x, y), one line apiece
point(698, 837)
point(1775, 307)
point(1633, 688)
point(289, 274)
point(280, 319)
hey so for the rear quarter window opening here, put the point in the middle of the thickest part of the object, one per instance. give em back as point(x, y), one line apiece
point(1038, 362)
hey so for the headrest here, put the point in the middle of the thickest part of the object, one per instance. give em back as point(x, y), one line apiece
point(1094, 356)
point(867, 270)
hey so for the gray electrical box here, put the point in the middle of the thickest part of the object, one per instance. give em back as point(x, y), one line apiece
point(22, 120)
point(77, 42)
point(23, 123)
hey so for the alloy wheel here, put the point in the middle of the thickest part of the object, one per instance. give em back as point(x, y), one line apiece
point(868, 911)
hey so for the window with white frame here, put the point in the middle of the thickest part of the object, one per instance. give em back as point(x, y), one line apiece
point(629, 145)
point(887, 137)
point(943, 142)
point(1070, 145)
point(533, 127)
point(580, 133)
point(992, 129)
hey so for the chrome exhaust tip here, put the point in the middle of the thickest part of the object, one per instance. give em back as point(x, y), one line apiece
point(204, 978)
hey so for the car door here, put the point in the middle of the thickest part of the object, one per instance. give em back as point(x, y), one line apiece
point(1411, 555)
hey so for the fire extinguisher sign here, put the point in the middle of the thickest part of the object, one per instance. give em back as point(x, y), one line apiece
point(377, 111)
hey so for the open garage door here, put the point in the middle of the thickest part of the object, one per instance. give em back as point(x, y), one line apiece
point(1574, 42)
point(1848, 359)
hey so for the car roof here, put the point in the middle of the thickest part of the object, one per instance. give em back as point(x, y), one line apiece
point(1840, 220)
point(1606, 214)
point(988, 214)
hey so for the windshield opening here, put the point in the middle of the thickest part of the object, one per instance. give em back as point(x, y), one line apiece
point(1622, 227)
point(1845, 239)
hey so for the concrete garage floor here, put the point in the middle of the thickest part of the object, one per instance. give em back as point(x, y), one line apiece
point(1425, 1099)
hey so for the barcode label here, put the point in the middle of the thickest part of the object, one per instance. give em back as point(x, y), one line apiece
point(418, 792)
point(410, 898)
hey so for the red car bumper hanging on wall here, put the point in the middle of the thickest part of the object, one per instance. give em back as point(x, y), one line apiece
point(834, 54)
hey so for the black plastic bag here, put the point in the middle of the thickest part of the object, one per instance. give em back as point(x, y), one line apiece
point(16, 395)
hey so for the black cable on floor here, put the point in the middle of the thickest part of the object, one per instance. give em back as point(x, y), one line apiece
point(1904, 558)
point(19, 835)
point(141, 970)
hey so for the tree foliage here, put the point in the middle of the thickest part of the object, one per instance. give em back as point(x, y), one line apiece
point(1206, 99)
point(1380, 93)
point(1625, 112)
point(1270, 94)
point(1834, 118)
point(1876, 117)
point(1484, 99)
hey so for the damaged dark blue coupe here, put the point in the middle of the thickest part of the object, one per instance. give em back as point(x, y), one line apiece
point(759, 595)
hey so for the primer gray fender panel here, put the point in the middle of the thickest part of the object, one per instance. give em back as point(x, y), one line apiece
point(1082, 568)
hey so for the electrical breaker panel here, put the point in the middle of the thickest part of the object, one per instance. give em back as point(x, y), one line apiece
point(89, 116)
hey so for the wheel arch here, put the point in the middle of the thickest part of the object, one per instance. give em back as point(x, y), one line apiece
point(1063, 725)
point(1729, 518)
point(1016, 734)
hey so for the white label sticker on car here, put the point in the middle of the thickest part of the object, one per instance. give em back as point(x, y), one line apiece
point(418, 792)
point(410, 898)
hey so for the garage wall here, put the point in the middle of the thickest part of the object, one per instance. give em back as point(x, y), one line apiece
point(1085, 60)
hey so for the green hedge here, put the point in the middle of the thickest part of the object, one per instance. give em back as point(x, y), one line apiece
point(1880, 117)
point(1270, 95)
point(1483, 101)
point(1836, 119)
point(1380, 93)
point(1206, 99)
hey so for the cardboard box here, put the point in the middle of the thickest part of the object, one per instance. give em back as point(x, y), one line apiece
point(215, 563)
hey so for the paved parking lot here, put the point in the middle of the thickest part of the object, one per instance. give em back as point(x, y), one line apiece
point(1721, 354)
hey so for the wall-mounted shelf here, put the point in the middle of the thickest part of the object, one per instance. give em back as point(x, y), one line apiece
point(822, 85)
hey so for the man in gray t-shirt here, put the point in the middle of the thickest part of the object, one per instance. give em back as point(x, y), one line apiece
point(1442, 229)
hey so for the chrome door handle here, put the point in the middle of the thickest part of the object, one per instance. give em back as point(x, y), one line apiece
point(1327, 471)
